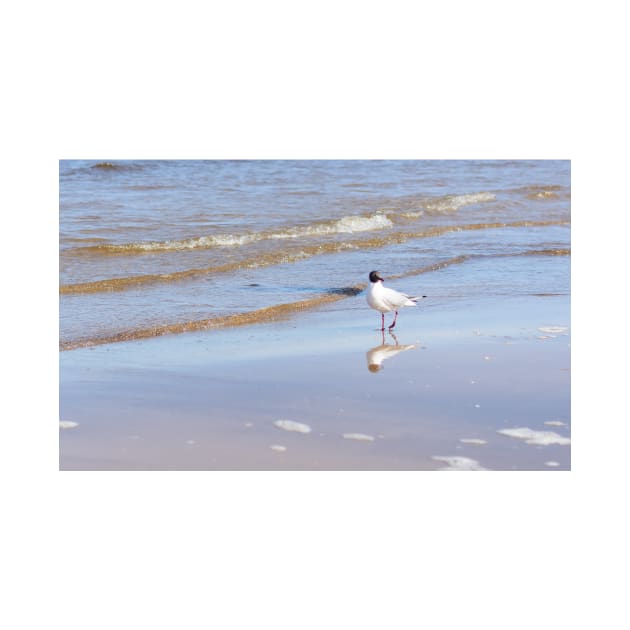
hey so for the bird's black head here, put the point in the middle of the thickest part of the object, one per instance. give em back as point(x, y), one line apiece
point(375, 276)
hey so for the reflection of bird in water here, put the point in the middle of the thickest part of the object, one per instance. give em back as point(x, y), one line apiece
point(383, 299)
point(378, 354)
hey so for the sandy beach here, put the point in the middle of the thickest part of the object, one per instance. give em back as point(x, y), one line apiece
point(464, 384)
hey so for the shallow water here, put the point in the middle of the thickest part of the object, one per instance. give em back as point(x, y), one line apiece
point(325, 390)
point(155, 247)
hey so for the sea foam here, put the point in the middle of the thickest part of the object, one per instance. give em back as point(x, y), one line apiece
point(553, 329)
point(472, 441)
point(539, 438)
point(345, 225)
point(455, 202)
point(291, 425)
point(358, 436)
point(455, 462)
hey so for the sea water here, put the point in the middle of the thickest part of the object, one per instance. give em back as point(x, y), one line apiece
point(153, 247)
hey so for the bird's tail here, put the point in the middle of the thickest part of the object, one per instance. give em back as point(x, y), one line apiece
point(415, 298)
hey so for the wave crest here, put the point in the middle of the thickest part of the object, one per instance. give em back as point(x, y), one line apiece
point(453, 203)
point(345, 225)
point(301, 251)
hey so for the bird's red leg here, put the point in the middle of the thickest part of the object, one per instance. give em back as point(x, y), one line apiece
point(394, 322)
point(382, 321)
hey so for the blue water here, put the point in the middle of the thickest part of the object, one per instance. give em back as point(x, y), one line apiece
point(152, 243)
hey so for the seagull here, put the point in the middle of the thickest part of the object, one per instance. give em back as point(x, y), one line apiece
point(384, 299)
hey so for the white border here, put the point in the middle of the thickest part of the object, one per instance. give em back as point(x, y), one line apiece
point(288, 79)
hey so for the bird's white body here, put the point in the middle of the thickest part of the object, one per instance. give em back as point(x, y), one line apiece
point(383, 299)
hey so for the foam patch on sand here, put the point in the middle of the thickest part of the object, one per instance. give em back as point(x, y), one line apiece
point(539, 438)
point(358, 436)
point(291, 425)
point(455, 462)
point(67, 424)
point(472, 441)
point(552, 464)
point(278, 447)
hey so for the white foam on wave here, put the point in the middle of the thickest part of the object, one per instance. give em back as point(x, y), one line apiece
point(201, 242)
point(358, 436)
point(226, 240)
point(538, 438)
point(552, 464)
point(278, 447)
point(291, 425)
point(362, 224)
point(556, 423)
point(455, 202)
point(455, 462)
point(345, 225)
point(67, 424)
point(473, 441)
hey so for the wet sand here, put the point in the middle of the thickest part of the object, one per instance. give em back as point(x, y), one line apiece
point(461, 385)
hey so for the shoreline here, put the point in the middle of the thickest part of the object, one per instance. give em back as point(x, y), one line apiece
point(281, 312)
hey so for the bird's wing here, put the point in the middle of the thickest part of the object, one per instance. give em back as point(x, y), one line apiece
point(395, 299)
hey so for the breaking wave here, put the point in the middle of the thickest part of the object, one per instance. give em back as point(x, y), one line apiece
point(345, 225)
point(352, 224)
point(284, 255)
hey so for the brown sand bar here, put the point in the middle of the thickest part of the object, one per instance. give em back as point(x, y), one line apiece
point(457, 372)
